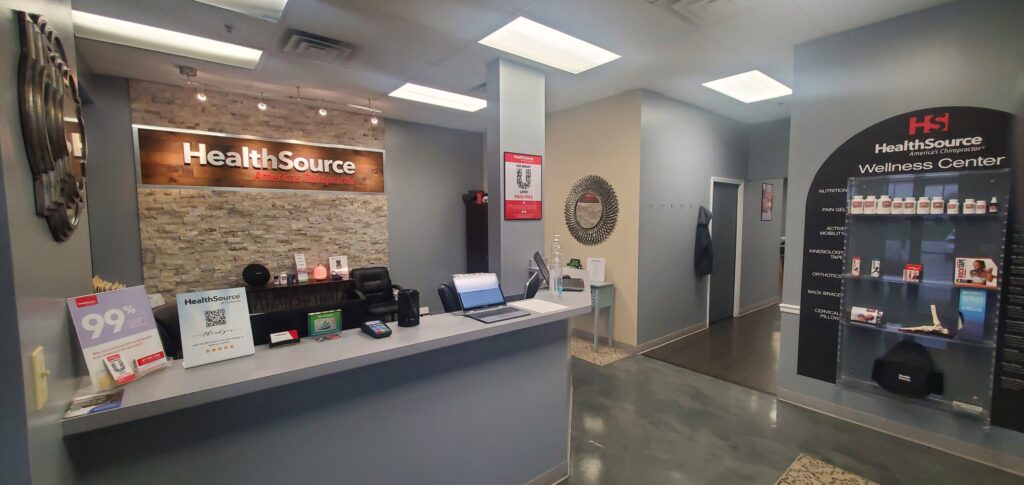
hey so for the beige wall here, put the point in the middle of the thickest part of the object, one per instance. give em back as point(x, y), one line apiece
point(601, 138)
point(197, 239)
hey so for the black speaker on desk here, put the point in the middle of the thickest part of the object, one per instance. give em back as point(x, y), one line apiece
point(408, 308)
point(256, 275)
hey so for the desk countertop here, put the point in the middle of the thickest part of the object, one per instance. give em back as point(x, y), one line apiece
point(176, 388)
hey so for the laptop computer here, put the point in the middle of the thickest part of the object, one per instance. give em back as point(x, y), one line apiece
point(482, 298)
point(568, 284)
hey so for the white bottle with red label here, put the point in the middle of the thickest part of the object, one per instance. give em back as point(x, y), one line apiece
point(885, 205)
point(857, 205)
point(924, 205)
point(870, 205)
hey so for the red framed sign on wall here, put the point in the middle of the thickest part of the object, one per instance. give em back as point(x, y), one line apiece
point(523, 195)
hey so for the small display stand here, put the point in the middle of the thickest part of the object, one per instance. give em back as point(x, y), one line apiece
point(917, 256)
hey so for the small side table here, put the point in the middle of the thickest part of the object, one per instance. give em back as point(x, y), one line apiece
point(602, 295)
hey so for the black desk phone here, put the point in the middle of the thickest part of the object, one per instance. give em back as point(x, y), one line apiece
point(376, 329)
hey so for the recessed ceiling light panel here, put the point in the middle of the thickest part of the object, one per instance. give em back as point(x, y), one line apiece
point(423, 94)
point(749, 87)
point(264, 9)
point(540, 43)
point(106, 29)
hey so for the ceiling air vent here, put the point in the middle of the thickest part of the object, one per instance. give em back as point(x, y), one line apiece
point(709, 12)
point(317, 47)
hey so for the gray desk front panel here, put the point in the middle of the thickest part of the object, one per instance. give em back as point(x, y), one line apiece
point(494, 410)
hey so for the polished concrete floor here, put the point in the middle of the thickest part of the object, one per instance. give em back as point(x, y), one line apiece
point(642, 421)
point(743, 350)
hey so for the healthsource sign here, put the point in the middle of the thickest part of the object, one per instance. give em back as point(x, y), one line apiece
point(168, 156)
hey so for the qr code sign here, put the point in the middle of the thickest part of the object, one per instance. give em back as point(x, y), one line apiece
point(215, 317)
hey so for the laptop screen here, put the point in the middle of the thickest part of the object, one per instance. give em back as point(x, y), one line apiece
point(478, 290)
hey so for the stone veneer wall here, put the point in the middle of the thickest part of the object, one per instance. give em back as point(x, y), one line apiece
point(198, 239)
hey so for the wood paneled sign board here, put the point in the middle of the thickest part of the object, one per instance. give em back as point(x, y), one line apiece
point(175, 157)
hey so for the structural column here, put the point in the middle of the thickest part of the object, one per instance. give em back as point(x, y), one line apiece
point(515, 124)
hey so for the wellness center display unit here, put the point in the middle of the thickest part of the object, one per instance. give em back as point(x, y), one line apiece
point(921, 292)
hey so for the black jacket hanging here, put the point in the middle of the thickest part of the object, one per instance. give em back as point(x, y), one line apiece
point(702, 255)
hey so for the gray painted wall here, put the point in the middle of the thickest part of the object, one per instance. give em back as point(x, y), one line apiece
point(759, 284)
point(116, 247)
point(515, 123)
point(964, 53)
point(38, 274)
point(682, 147)
point(768, 146)
point(428, 168)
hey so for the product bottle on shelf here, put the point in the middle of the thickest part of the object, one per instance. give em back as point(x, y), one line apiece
point(980, 206)
point(555, 269)
point(924, 205)
point(870, 205)
point(953, 206)
point(857, 205)
point(993, 207)
point(885, 205)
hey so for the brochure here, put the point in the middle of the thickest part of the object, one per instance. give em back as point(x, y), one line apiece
point(976, 273)
point(595, 267)
point(339, 266)
point(94, 403)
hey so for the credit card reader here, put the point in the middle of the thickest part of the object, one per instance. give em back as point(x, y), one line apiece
point(376, 329)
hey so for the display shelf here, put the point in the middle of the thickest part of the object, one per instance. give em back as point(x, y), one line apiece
point(900, 281)
point(932, 401)
point(894, 328)
point(987, 217)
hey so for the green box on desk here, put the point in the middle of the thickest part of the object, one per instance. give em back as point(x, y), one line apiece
point(324, 323)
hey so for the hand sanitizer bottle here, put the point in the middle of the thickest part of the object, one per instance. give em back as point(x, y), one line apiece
point(555, 268)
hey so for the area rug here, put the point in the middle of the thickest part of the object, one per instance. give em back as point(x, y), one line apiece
point(807, 470)
point(584, 349)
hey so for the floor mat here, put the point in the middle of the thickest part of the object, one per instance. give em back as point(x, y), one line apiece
point(742, 350)
point(807, 470)
point(584, 349)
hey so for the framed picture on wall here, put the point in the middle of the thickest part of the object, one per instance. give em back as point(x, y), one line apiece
point(767, 201)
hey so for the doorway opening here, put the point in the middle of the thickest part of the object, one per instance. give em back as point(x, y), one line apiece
point(726, 245)
point(740, 340)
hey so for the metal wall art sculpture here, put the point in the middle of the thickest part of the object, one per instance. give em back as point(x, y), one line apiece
point(591, 210)
point(52, 127)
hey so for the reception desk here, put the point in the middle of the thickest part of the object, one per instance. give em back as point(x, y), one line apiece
point(450, 401)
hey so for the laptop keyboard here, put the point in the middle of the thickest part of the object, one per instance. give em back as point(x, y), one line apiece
point(495, 312)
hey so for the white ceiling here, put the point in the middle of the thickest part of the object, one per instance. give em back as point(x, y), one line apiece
point(434, 43)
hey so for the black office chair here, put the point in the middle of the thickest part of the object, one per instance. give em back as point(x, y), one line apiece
point(449, 300)
point(374, 286)
point(532, 286)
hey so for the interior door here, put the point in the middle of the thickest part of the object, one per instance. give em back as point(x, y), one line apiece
point(723, 244)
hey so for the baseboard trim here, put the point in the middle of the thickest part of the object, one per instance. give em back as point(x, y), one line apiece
point(759, 306)
point(995, 459)
point(672, 337)
point(558, 474)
